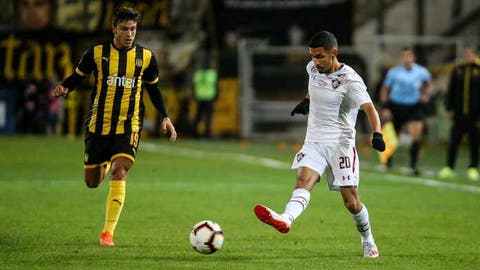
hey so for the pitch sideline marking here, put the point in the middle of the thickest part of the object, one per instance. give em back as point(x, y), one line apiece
point(276, 164)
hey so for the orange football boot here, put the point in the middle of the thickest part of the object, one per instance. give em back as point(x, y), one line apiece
point(106, 239)
point(270, 217)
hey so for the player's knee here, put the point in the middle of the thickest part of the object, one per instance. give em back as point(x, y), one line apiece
point(120, 168)
point(93, 177)
point(92, 183)
point(353, 205)
point(120, 172)
point(306, 182)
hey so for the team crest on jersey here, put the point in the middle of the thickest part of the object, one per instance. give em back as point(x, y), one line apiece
point(336, 83)
point(300, 156)
point(86, 157)
point(138, 62)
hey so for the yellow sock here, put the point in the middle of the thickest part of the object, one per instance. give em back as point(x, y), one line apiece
point(114, 205)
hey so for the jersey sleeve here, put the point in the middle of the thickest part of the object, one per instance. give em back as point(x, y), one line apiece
point(359, 93)
point(86, 64)
point(150, 74)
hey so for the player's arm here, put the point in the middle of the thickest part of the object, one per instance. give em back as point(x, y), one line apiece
point(374, 120)
point(84, 68)
point(69, 83)
point(158, 102)
point(156, 96)
point(303, 107)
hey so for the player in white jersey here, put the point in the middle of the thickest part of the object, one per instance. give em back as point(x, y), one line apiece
point(335, 94)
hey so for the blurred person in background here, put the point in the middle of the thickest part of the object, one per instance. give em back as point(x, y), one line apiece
point(335, 95)
point(54, 107)
point(30, 113)
point(205, 86)
point(463, 109)
point(36, 14)
point(115, 120)
point(404, 92)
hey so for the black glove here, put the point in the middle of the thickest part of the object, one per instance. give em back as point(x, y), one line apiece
point(302, 107)
point(377, 141)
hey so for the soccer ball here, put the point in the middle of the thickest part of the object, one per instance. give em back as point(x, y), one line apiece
point(206, 237)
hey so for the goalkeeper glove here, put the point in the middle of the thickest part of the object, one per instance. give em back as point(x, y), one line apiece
point(302, 107)
point(377, 141)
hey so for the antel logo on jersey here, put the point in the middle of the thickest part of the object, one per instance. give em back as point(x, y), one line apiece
point(121, 81)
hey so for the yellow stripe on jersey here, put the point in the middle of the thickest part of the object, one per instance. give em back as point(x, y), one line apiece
point(97, 56)
point(111, 89)
point(127, 92)
point(147, 56)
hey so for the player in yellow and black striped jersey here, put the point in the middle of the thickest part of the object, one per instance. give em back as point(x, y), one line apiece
point(115, 119)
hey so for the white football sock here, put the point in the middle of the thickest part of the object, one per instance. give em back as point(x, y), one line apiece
point(363, 225)
point(297, 204)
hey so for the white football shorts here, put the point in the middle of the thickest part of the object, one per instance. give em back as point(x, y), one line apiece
point(339, 162)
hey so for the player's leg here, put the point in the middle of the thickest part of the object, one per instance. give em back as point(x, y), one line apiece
point(306, 179)
point(94, 174)
point(454, 142)
point(115, 199)
point(197, 119)
point(415, 130)
point(307, 176)
point(96, 159)
point(474, 142)
point(123, 149)
point(359, 212)
point(208, 119)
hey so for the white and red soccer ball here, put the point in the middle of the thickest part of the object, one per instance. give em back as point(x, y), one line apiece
point(206, 237)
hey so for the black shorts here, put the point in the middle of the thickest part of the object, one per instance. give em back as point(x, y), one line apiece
point(405, 113)
point(100, 149)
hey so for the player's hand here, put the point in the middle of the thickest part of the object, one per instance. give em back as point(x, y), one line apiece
point(302, 108)
point(377, 142)
point(167, 126)
point(59, 91)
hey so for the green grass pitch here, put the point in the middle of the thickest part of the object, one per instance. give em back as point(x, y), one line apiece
point(50, 220)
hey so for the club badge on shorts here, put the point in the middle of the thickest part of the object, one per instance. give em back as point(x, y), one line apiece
point(300, 156)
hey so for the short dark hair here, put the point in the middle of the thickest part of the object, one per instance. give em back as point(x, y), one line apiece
point(125, 14)
point(323, 39)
